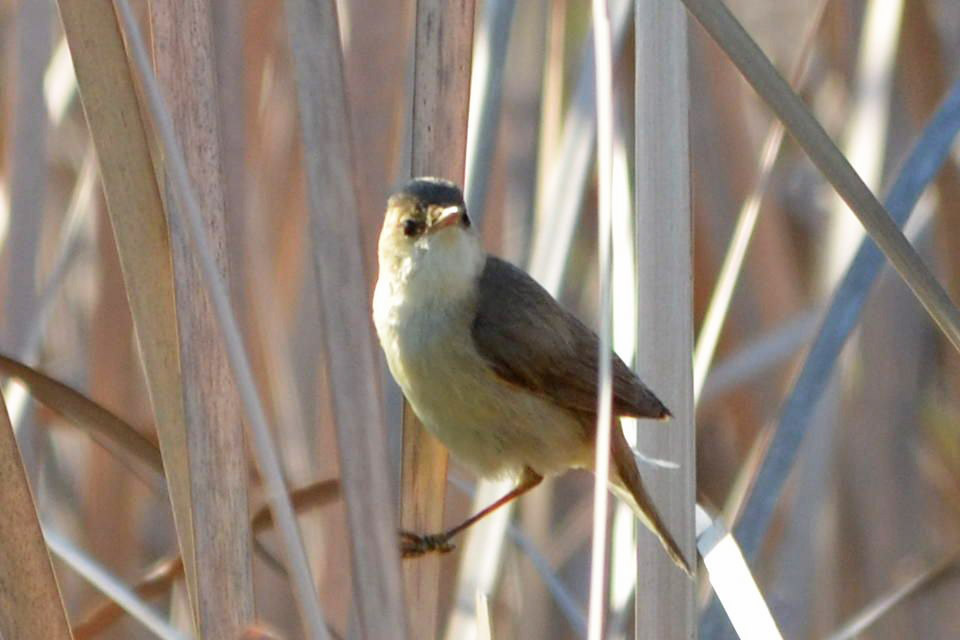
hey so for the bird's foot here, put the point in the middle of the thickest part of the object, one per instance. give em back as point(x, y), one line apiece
point(413, 545)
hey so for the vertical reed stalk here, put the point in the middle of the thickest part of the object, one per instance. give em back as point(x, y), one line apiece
point(183, 56)
point(441, 89)
point(140, 228)
point(351, 367)
point(603, 57)
point(665, 596)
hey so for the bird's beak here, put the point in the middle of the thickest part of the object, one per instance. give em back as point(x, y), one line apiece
point(447, 217)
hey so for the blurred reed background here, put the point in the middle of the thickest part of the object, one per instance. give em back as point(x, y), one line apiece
point(291, 157)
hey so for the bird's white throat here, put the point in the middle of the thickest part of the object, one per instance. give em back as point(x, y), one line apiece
point(432, 273)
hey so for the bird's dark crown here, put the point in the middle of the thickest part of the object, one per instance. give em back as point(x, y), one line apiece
point(426, 191)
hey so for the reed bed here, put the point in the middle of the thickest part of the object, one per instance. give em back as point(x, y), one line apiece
point(199, 437)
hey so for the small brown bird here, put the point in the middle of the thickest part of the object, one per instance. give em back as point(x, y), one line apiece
point(492, 365)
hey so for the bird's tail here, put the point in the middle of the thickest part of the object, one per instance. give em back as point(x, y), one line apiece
point(626, 484)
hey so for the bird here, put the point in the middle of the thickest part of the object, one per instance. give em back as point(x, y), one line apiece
point(492, 365)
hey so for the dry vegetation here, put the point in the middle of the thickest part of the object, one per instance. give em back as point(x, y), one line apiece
point(188, 393)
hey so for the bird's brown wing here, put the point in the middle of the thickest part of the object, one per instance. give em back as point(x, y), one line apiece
point(531, 341)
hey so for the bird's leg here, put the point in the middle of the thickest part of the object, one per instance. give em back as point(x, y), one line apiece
point(413, 545)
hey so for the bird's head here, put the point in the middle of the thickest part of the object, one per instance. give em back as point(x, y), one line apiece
point(428, 239)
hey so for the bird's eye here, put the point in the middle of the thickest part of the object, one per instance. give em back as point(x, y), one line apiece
point(411, 227)
point(465, 220)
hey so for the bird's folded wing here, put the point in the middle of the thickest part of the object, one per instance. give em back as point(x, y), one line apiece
point(531, 341)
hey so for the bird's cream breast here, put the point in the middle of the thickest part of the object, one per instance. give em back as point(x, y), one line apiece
point(424, 308)
point(491, 426)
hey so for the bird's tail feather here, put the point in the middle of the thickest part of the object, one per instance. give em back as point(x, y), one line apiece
point(626, 484)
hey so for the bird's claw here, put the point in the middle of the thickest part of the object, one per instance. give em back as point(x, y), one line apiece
point(413, 545)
